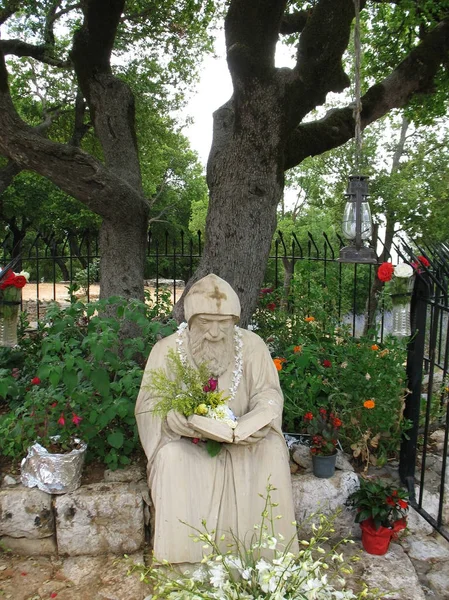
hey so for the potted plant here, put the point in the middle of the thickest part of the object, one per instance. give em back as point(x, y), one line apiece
point(323, 429)
point(54, 462)
point(381, 511)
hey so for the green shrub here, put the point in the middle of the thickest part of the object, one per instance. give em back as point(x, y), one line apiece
point(72, 367)
point(320, 364)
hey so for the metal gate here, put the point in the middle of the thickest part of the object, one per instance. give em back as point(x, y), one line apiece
point(423, 458)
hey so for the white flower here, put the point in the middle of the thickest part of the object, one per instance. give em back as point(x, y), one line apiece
point(217, 575)
point(367, 376)
point(403, 270)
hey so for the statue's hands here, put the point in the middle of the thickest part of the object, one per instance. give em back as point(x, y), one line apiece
point(179, 425)
point(256, 436)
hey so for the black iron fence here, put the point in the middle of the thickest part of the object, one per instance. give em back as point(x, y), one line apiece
point(423, 458)
point(55, 262)
point(297, 263)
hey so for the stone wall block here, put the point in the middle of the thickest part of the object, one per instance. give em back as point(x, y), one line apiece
point(102, 518)
point(25, 513)
point(312, 495)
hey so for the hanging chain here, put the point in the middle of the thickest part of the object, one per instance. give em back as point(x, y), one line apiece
point(358, 103)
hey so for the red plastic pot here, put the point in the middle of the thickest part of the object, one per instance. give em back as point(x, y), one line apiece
point(377, 541)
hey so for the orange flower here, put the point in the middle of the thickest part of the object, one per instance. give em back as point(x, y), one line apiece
point(297, 349)
point(309, 319)
point(374, 347)
point(384, 352)
point(369, 404)
point(278, 363)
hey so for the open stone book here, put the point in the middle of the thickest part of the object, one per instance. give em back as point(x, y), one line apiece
point(247, 425)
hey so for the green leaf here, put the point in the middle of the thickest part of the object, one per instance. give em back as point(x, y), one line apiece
point(70, 378)
point(100, 379)
point(116, 439)
point(54, 377)
point(213, 448)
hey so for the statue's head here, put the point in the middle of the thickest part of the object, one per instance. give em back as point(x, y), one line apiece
point(211, 308)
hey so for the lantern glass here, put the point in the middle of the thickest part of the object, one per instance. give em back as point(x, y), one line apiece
point(349, 220)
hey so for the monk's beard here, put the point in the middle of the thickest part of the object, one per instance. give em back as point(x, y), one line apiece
point(217, 355)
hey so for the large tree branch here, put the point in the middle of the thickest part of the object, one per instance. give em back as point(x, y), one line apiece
point(294, 22)
point(74, 171)
point(7, 174)
point(40, 53)
point(110, 100)
point(413, 75)
point(252, 29)
point(322, 44)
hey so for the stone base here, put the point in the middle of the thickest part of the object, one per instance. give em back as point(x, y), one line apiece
point(102, 518)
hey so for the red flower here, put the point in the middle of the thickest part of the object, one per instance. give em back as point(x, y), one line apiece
point(7, 280)
point(35, 381)
point(403, 504)
point(323, 412)
point(327, 363)
point(308, 416)
point(390, 501)
point(61, 420)
point(385, 271)
point(195, 440)
point(54, 404)
point(421, 261)
point(11, 279)
point(271, 306)
point(394, 493)
point(337, 422)
point(266, 290)
point(53, 595)
point(211, 385)
point(19, 282)
point(76, 419)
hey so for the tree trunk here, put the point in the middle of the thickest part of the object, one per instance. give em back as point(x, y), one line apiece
point(122, 251)
point(246, 182)
point(372, 302)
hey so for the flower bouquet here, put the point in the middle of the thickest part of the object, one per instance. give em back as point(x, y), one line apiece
point(193, 393)
point(399, 278)
point(11, 285)
point(381, 511)
point(323, 429)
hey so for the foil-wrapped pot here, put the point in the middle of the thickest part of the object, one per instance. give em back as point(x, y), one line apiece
point(53, 473)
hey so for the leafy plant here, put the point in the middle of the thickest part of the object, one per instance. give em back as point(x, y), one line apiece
point(321, 364)
point(72, 367)
point(324, 429)
point(381, 501)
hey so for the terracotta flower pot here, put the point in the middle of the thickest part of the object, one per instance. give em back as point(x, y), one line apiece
point(324, 466)
point(377, 541)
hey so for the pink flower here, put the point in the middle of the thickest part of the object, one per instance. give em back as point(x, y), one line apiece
point(15, 372)
point(35, 381)
point(76, 419)
point(195, 440)
point(211, 385)
point(61, 420)
point(54, 404)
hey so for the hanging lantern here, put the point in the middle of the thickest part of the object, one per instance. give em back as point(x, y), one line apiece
point(357, 224)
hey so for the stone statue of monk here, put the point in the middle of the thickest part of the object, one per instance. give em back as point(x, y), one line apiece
point(186, 483)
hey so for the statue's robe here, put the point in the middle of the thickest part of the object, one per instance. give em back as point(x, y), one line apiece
point(189, 486)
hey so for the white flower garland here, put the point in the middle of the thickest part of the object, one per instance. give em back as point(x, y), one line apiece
point(238, 356)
